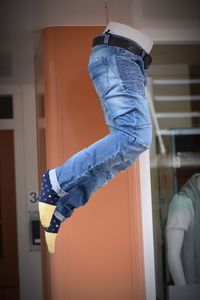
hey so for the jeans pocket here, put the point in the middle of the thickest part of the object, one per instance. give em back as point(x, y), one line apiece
point(131, 74)
point(98, 71)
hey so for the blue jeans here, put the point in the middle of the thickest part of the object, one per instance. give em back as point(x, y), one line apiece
point(119, 78)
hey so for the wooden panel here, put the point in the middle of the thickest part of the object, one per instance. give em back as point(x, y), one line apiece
point(9, 280)
point(99, 249)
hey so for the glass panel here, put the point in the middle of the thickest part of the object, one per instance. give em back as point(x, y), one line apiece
point(6, 107)
point(174, 86)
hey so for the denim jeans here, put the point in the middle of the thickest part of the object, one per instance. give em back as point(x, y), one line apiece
point(119, 78)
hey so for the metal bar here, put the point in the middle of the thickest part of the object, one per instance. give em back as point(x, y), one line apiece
point(178, 115)
point(177, 98)
point(149, 92)
point(175, 81)
point(180, 131)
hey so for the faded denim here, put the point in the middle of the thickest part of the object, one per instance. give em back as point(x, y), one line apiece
point(119, 78)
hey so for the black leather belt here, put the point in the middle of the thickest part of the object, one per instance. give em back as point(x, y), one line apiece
point(114, 40)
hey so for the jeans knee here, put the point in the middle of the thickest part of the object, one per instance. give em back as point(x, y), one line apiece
point(144, 137)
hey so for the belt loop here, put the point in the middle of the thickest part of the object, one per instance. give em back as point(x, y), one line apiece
point(143, 53)
point(107, 37)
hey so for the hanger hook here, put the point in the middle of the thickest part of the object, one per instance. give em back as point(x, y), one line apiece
point(106, 11)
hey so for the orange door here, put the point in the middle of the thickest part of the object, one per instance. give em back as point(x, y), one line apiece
point(99, 249)
point(9, 281)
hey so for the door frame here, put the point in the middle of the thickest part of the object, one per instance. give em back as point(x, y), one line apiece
point(16, 124)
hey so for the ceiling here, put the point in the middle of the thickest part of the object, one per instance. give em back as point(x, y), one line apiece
point(171, 9)
point(21, 22)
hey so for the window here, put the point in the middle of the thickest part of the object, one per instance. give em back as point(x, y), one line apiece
point(175, 152)
point(6, 107)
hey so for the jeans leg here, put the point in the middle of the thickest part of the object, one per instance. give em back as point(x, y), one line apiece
point(94, 167)
point(80, 194)
point(124, 103)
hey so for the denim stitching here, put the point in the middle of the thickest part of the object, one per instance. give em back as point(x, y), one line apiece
point(130, 84)
point(96, 77)
point(77, 180)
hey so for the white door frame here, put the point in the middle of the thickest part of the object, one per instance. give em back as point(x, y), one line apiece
point(147, 226)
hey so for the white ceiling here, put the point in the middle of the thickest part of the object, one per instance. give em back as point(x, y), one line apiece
point(172, 9)
point(22, 20)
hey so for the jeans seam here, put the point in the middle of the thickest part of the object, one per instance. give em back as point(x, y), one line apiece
point(55, 184)
point(76, 181)
point(142, 75)
point(143, 126)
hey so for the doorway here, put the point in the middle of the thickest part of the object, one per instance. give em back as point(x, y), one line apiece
point(9, 273)
point(9, 266)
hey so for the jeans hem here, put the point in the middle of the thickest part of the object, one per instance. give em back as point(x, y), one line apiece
point(59, 216)
point(55, 185)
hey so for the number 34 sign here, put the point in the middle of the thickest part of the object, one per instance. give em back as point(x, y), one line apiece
point(33, 197)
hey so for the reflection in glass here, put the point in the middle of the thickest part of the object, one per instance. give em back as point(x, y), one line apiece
point(183, 233)
point(174, 93)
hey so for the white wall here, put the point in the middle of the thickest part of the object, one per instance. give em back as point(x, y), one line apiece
point(33, 288)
